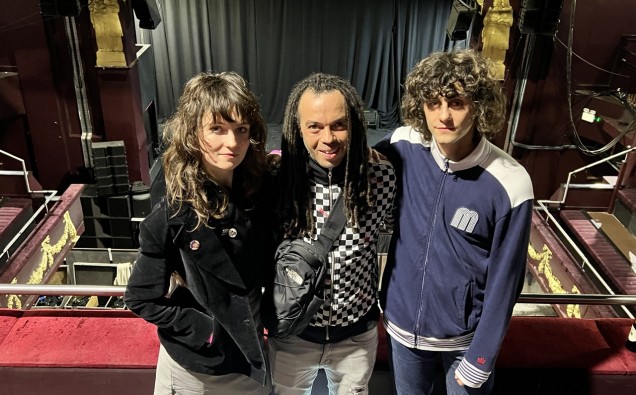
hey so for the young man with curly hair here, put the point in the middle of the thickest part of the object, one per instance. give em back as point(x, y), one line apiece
point(457, 258)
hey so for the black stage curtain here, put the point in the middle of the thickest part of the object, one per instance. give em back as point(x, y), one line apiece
point(275, 43)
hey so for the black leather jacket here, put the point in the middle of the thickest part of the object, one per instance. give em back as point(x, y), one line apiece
point(221, 273)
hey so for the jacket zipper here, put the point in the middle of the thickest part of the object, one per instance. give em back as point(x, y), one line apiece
point(331, 263)
point(428, 247)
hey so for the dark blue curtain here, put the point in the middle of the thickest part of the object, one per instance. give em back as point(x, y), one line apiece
point(275, 43)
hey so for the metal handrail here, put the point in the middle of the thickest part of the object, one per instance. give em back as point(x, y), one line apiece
point(50, 196)
point(598, 162)
point(585, 263)
point(593, 299)
point(61, 290)
point(24, 172)
point(118, 290)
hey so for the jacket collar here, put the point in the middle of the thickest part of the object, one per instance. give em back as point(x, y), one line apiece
point(475, 158)
point(320, 175)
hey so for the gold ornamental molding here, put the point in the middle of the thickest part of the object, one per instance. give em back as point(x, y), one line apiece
point(49, 252)
point(544, 258)
point(108, 33)
point(495, 35)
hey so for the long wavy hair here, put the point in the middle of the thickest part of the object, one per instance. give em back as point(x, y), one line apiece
point(295, 203)
point(463, 73)
point(221, 95)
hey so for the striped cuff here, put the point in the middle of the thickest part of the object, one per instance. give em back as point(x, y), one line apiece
point(470, 375)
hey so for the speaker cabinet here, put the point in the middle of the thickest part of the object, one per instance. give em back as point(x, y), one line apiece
point(147, 11)
point(60, 7)
point(459, 21)
point(371, 118)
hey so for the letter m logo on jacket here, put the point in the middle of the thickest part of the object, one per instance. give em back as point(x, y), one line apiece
point(465, 219)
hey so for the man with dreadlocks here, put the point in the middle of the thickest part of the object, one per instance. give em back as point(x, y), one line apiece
point(457, 258)
point(324, 155)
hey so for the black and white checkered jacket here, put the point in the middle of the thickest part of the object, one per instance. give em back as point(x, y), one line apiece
point(352, 278)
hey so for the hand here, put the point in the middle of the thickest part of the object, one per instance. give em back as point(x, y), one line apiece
point(273, 160)
point(179, 280)
point(459, 381)
point(375, 156)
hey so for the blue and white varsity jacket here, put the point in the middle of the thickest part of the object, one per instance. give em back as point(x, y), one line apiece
point(458, 255)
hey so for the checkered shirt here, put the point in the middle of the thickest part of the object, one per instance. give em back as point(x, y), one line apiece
point(351, 283)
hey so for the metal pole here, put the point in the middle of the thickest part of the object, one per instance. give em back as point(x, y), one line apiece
point(114, 290)
point(55, 290)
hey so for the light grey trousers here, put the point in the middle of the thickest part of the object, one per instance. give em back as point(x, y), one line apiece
point(348, 364)
point(172, 379)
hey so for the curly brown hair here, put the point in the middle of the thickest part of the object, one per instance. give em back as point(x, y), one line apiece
point(295, 205)
point(221, 95)
point(463, 73)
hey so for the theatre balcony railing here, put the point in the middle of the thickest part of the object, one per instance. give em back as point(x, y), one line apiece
point(570, 207)
point(540, 355)
point(115, 290)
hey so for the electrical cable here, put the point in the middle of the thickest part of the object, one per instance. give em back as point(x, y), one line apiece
point(616, 94)
point(525, 66)
point(17, 24)
point(588, 62)
point(515, 52)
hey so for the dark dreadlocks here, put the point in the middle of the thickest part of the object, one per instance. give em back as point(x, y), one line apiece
point(295, 204)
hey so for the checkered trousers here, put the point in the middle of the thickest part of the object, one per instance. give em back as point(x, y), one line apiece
point(351, 283)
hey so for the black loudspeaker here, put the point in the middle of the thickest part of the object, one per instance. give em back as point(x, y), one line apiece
point(371, 118)
point(147, 11)
point(459, 20)
point(540, 16)
point(60, 7)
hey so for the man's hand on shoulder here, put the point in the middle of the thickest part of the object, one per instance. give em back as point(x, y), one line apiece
point(273, 161)
point(375, 156)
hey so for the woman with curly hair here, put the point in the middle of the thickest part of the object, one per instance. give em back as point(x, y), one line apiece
point(205, 248)
point(457, 258)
